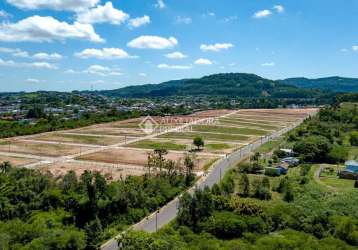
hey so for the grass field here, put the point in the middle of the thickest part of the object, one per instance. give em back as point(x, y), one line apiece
point(229, 130)
point(331, 179)
point(208, 136)
point(232, 122)
point(17, 161)
point(41, 149)
point(81, 139)
point(152, 144)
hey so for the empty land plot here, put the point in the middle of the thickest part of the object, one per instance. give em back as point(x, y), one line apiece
point(265, 118)
point(271, 113)
point(110, 172)
point(207, 136)
point(80, 139)
point(213, 112)
point(229, 130)
point(17, 161)
point(157, 144)
point(138, 157)
point(111, 131)
point(263, 122)
point(230, 122)
point(184, 145)
point(41, 149)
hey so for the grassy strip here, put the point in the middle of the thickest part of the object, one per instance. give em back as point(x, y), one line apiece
point(150, 144)
point(219, 137)
point(247, 124)
point(227, 130)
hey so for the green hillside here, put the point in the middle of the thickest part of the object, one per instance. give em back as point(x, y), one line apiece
point(230, 84)
point(335, 84)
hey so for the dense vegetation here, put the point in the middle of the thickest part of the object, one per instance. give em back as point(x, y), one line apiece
point(335, 84)
point(234, 85)
point(38, 211)
point(47, 123)
point(252, 211)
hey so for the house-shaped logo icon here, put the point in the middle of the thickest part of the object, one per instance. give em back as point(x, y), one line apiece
point(148, 125)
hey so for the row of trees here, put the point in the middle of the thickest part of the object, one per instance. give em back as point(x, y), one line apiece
point(38, 211)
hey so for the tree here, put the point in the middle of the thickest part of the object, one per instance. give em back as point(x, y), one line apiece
point(288, 195)
point(160, 152)
point(244, 185)
point(5, 167)
point(354, 138)
point(198, 142)
point(189, 166)
point(262, 189)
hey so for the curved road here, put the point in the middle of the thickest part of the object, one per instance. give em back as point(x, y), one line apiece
point(167, 213)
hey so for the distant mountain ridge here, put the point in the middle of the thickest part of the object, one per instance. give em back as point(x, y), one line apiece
point(226, 84)
point(335, 83)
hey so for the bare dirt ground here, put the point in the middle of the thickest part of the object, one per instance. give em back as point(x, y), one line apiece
point(40, 149)
point(80, 139)
point(138, 157)
point(17, 161)
point(110, 172)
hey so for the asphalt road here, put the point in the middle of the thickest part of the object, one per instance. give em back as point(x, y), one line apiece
point(167, 213)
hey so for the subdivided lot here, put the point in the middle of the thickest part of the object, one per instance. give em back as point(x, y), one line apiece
point(41, 149)
point(79, 139)
point(139, 157)
point(111, 131)
point(212, 113)
point(110, 172)
point(229, 130)
point(182, 145)
point(209, 136)
point(17, 161)
point(258, 120)
point(263, 118)
point(277, 114)
point(233, 122)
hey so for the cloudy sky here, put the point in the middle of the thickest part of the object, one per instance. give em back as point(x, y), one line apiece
point(79, 44)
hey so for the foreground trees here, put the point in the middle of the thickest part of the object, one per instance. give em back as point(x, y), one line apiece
point(38, 211)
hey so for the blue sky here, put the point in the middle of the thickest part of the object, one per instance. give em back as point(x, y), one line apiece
point(76, 44)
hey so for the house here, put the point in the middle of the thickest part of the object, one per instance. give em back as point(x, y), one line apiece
point(288, 152)
point(351, 171)
point(351, 166)
point(292, 161)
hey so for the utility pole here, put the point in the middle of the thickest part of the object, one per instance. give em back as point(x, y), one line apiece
point(156, 220)
point(220, 173)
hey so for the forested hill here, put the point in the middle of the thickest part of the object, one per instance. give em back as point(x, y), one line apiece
point(230, 84)
point(335, 83)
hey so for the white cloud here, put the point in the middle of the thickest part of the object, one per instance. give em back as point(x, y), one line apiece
point(202, 61)
point(152, 42)
point(20, 53)
point(38, 65)
point(42, 65)
point(70, 5)
point(142, 74)
point(9, 63)
point(24, 54)
point(176, 55)
point(355, 47)
point(139, 21)
point(216, 47)
point(262, 14)
point(33, 80)
point(4, 14)
point(183, 20)
point(46, 29)
point(167, 66)
point(103, 14)
point(102, 71)
point(105, 53)
point(268, 64)
point(279, 8)
point(46, 56)
point(160, 4)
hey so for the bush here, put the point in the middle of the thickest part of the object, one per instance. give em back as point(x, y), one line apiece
point(224, 225)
